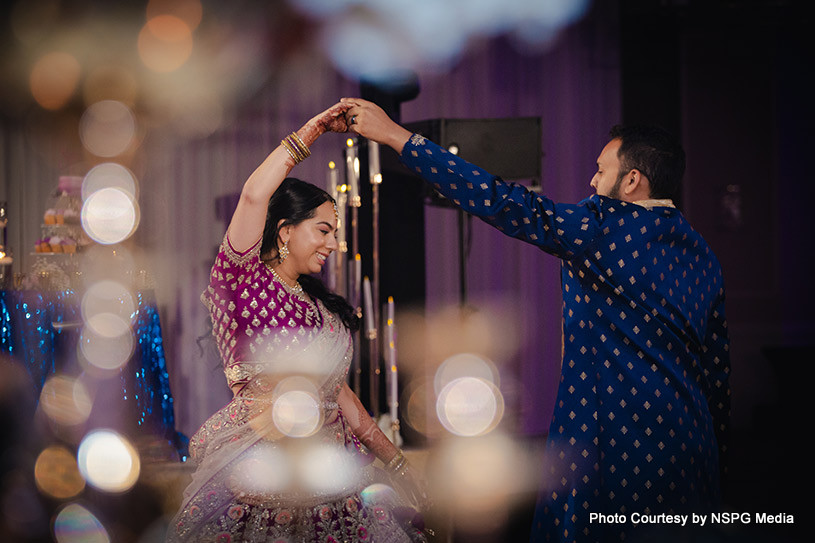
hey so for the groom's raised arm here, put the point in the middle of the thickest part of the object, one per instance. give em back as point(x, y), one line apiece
point(563, 230)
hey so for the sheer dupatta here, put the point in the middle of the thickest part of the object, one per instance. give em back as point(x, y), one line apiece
point(280, 446)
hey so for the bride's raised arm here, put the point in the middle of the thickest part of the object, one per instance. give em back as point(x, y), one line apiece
point(246, 226)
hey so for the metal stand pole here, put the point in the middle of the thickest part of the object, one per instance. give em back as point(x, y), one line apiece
point(374, 341)
point(355, 274)
point(462, 258)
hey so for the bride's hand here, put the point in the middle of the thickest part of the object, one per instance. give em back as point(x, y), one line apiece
point(332, 119)
point(411, 483)
point(414, 485)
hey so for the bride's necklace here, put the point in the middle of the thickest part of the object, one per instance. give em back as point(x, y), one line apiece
point(296, 289)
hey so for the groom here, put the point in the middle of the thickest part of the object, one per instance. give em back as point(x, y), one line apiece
point(643, 405)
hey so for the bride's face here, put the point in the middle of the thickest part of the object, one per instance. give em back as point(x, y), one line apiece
point(311, 241)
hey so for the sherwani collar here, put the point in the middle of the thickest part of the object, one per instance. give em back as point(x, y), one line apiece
point(648, 204)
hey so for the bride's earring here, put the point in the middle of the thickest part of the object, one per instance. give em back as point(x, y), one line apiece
point(283, 252)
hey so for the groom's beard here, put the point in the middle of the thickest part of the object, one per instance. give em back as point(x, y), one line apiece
point(615, 190)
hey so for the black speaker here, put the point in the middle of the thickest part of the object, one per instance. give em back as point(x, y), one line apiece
point(509, 148)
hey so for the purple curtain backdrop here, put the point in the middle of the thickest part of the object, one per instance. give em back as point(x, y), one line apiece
point(574, 88)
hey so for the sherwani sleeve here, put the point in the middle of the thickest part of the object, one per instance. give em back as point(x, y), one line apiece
point(563, 230)
point(716, 363)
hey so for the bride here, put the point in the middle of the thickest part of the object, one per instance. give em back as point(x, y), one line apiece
point(284, 460)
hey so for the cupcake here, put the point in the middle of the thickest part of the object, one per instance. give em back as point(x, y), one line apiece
point(38, 246)
point(50, 216)
point(70, 216)
point(56, 244)
point(68, 246)
point(60, 216)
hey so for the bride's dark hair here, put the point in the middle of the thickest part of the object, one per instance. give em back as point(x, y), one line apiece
point(294, 201)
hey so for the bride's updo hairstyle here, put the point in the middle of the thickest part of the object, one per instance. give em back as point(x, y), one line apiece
point(296, 201)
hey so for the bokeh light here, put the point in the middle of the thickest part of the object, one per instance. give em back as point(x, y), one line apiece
point(65, 400)
point(75, 524)
point(108, 461)
point(366, 50)
point(465, 365)
point(297, 413)
point(468, 400)
point(54, 79)
point(437, 42)
point(105, 352)
point(326, 469)
point(486, 332)
point(165, 43)
point(418, 408)
point(295, 409)
point(109, 216)
point(107, 128)
point(372, 40)
point(108, 309)
point(57, 474)
point(108, 301)
point(109, 175)
point(455, 348)
point(264, 470)
point(108, 325)
point(480, 498)
point(543, 21)
point(469, 406)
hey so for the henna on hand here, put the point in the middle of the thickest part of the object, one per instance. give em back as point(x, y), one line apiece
point(366, 429)
point(406, 477)
point(309, 133)
point(332, 119)
point(336, 123)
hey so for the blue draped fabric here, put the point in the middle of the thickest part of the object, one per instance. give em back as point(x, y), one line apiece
point(40, 332)
point(643, 404)
point(27, 333)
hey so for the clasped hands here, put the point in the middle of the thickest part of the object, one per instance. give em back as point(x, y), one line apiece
point(357, 116)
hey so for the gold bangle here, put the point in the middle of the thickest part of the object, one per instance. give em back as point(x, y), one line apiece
point(395, 460)
point(303, 146)
point(295, 156)
point(396, 464)
point(297, 149)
